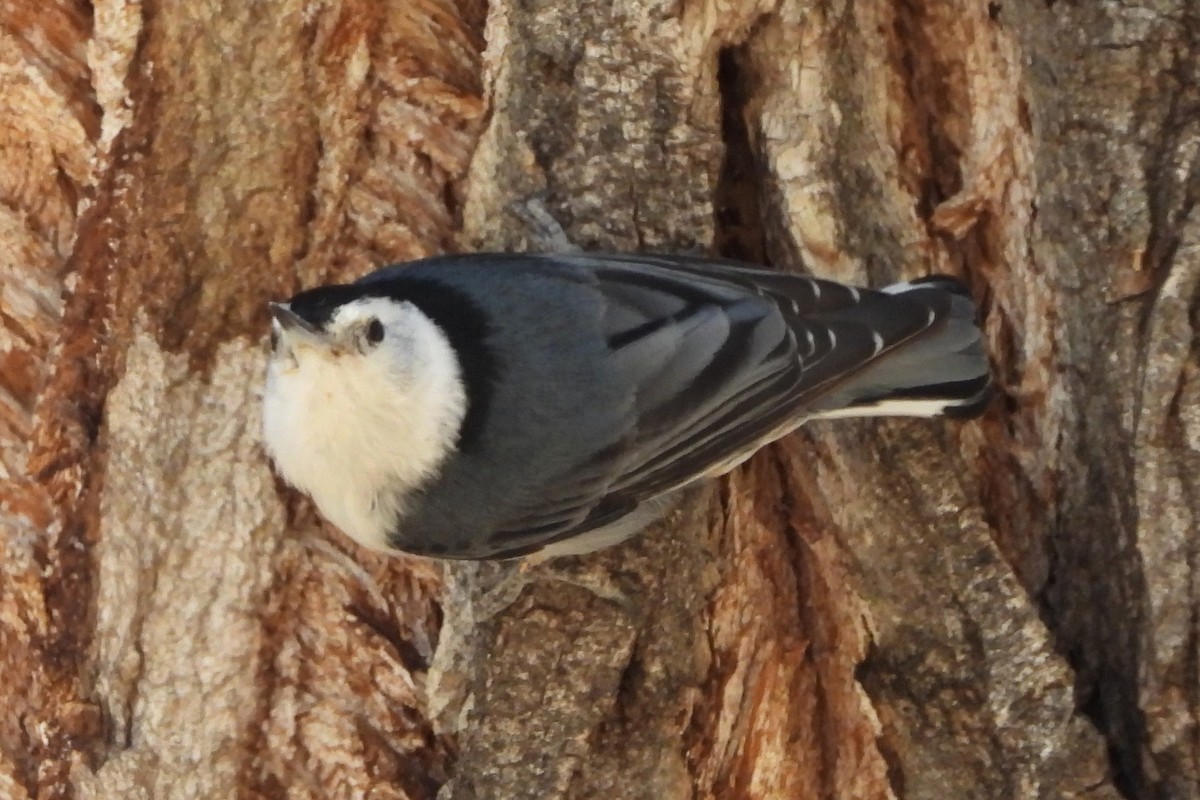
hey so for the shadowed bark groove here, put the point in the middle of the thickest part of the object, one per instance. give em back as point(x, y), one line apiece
point(175, 643)
point(1004, 608)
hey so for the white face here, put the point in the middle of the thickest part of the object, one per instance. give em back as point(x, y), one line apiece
point(359, 414)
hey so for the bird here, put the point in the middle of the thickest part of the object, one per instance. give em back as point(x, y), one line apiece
point(509, 405)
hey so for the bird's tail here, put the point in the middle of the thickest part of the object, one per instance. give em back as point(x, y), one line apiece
point(943, 370)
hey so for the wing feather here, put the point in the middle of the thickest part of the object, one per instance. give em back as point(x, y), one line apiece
point(721, 359)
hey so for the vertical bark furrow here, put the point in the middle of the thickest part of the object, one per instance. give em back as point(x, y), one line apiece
point(1113, 198)
point(923, 136)
point(150, 537)
point(48, 126)
point(398, 105)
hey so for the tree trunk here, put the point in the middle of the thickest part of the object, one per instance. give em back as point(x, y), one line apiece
point(1004, 608)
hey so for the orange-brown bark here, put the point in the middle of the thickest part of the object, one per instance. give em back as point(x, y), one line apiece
point(996, 609)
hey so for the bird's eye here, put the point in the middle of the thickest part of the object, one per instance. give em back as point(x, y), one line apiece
point(374, 331)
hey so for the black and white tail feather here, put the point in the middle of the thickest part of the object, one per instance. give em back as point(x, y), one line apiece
point(941, 369)
point(592, 387)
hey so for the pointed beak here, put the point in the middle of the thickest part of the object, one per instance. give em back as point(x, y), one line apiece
point(295, 330)
point(289, 320)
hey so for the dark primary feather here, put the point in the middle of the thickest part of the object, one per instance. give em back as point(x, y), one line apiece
point(611, 380)
point(769, 346)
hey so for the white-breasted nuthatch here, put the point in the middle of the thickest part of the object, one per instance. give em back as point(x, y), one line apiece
point(492, 406)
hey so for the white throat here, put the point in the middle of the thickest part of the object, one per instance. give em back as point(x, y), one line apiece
point(358, 431)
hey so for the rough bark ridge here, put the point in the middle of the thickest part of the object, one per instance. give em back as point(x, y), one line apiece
point(172, 642)
point(1116, 228)
point(1002, 609)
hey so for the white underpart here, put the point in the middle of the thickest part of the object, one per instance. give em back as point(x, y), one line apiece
point(648, 512)
point(892, 408)
point(626, 527)
point(883, 408)
point(898, 288)
point(358, 431)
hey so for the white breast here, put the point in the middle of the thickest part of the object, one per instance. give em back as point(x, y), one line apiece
point(358, 432)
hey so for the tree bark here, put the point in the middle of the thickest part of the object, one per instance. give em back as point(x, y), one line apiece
point(1004, 608)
